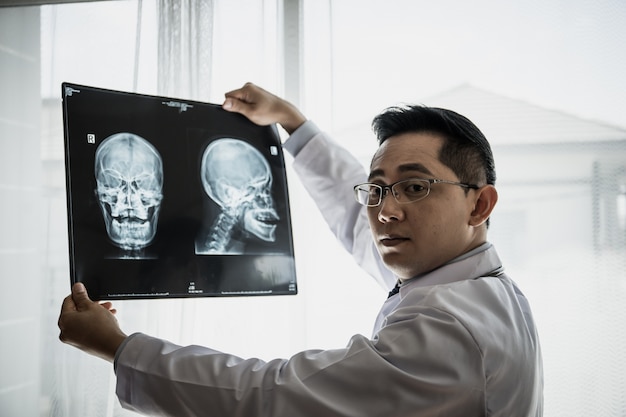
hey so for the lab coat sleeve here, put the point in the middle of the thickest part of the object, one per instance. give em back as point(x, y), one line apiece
point(422, 363)
point(329, 173)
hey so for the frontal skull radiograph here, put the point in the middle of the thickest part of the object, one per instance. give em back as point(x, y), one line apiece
point(237, 177)
point(129, 187)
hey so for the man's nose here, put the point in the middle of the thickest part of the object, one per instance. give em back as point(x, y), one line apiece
point(390, 209)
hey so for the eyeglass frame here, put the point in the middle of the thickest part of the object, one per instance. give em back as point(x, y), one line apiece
point(389, 187)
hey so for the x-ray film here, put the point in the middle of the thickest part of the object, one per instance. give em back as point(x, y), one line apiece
point(173, 198)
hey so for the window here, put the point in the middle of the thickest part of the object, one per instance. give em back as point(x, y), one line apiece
point(548, 99)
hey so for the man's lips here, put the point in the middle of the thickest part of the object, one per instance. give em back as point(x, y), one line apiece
point(392, 240)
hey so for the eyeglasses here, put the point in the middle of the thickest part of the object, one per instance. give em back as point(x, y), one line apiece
point(405, 191)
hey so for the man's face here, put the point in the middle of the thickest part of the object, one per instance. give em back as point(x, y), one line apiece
point(415, 238)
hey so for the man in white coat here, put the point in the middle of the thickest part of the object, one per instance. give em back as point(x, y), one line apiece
point(456, 336)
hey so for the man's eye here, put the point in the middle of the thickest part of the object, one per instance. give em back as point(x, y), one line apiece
point(375, 191)
point(414, 188)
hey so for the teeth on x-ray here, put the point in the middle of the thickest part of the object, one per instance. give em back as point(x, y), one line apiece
point(238, 178)
point(129, 178)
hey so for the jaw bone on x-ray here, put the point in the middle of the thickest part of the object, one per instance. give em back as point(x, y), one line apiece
point(237, 177)
point(129, 178)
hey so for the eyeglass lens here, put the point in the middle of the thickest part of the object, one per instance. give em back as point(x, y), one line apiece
point(404, 192)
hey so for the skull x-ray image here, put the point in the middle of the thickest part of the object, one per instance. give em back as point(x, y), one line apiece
point(173, 199)
point(129, 187)
point(237, 177)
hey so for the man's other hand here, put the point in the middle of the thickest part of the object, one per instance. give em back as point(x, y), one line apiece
point(89, 325)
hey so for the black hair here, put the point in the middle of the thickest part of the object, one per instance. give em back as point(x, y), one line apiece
point(465, 149)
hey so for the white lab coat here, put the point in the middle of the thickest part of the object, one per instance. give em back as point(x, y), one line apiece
point(459, 341)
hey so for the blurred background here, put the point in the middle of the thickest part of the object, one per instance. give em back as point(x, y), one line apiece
point(544, 80)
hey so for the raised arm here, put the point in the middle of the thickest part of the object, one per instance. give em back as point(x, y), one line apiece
point(263, 107)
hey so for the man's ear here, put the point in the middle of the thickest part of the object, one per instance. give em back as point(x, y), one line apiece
point(485, 200)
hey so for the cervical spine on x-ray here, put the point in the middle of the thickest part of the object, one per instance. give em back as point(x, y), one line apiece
point(129, 178)
point(238, 178)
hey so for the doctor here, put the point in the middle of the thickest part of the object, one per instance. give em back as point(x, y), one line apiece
point(456, 336)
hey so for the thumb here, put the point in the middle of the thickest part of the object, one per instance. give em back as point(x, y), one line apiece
point(237, 106)
point(80, 296)
point(243, 100)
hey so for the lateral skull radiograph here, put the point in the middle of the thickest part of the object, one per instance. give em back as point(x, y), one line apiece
point(129, 184)
point(237, 177)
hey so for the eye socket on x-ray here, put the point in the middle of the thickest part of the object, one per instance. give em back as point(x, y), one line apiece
point(113, 185)
point(238, 178)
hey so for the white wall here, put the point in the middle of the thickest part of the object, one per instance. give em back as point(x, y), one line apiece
point(19, 211)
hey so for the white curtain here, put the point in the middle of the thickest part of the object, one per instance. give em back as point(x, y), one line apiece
point(161, 48)
point(110, 45)
point(184, 48)
point(178, 65)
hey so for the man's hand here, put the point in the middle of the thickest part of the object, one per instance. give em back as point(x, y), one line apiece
point(88, 325)
point(263, 107)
